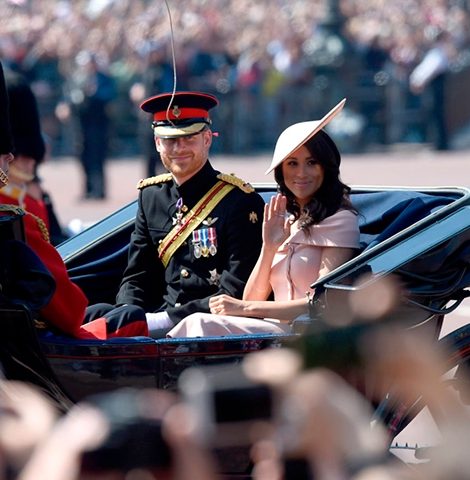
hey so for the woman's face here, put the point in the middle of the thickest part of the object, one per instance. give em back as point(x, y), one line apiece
point(303, 175)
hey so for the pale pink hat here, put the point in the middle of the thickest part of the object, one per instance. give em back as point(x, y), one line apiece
point(296, 135)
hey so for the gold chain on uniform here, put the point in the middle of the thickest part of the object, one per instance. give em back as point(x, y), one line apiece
point(20, 211)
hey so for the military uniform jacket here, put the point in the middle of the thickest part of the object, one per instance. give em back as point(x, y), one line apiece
point(232, 233)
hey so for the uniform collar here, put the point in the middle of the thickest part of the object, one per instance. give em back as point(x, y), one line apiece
point(200, 182)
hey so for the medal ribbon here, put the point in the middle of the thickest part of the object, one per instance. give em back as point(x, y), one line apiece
point(192, 220)
point(212, 236)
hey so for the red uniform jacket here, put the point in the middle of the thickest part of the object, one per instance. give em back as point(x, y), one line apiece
point(66, 310)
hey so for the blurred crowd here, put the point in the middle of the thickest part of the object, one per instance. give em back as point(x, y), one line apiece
point(318, 424)
point(273, 62)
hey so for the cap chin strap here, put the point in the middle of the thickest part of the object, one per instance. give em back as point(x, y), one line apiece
point(20, 175)
point(3, 178)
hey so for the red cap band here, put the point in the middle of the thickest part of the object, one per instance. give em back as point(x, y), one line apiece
point(177, 113)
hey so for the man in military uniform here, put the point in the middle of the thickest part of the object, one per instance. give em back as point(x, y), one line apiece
point(197, 231)
point(6, 142)
point(65, 306)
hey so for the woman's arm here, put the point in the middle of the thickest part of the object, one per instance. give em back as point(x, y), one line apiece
point(276, 230)
point(285, 310)
point(258, 286)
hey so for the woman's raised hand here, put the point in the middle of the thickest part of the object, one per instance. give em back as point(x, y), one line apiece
point(276, 226)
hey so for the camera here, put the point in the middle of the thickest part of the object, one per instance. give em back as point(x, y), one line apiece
point(230, 408)
point(134, 440)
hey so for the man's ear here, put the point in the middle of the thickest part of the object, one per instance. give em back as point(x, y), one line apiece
point(208, 138)
point(157, 143)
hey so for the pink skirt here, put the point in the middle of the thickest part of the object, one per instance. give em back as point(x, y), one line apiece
point(208, 325)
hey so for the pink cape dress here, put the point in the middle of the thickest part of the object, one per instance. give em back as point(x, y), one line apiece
point(295, 267)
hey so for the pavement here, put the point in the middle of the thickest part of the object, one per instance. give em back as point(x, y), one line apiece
point(401, 165)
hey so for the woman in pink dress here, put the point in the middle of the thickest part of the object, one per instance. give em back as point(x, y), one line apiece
point(309, 229)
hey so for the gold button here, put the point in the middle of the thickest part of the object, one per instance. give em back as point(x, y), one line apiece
point(184, 273)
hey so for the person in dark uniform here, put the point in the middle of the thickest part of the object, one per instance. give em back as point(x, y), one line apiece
point(24, 188)
point(6, 141)
point(197, 231)
point(98, 92)
point(65, 309)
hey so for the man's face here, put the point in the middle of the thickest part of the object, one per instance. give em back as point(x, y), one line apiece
point(22, 169)
point(183, 157)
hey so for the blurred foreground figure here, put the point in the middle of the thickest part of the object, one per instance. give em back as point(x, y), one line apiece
point(126, 434)
point(26, 422)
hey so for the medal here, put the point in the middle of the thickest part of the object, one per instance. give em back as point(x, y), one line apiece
point(196, 241)
point(212, 241)
point(180, 208)
point(204, 241)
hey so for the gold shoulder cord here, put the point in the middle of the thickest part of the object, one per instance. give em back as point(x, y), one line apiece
point(19, 211)
point(145, 182)
point(42, 227)
point(12, 208)
point(238, 182)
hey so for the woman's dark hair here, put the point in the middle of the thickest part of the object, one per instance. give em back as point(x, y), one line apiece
point(332, 195)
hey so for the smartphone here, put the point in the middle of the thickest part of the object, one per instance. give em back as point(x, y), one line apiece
point(230, 409)
point(134, 441)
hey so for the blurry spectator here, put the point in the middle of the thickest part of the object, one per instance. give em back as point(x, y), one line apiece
point(371, 79)
point(26, 422)
point(43, 36)
point(211, 67)
point(94, 93)
point(156, 78)
point(431, 73)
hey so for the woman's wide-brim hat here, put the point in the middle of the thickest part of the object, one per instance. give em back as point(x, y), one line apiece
point(296, 135)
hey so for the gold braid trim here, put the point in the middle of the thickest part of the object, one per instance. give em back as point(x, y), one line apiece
point(12, 208)
point(19, 211)
point(238, 182)
point(191, 221)
point(42, 227)
point(3, 177)
point(145, 182)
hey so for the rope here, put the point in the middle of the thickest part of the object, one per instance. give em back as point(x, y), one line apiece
point(174, 64)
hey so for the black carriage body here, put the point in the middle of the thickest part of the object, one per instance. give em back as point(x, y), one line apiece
point(401, 229)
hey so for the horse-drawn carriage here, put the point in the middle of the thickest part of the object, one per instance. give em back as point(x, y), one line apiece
point(419, 236)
